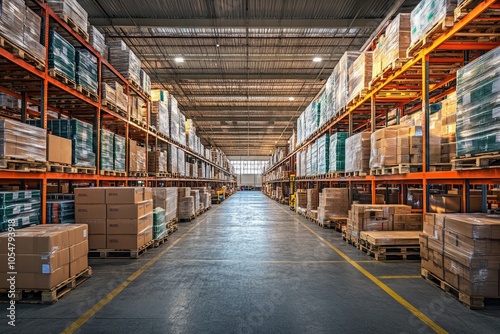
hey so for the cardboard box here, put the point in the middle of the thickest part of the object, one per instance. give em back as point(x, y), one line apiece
point(37, 263)
point(129, 211)
point(95, 226)
point(58, 150)
point(78, 265)
point(77, 233)
point(90, 196)
point(90, 211)
point(129, 226)
point(35, 241)
point(433, 268)
point(474, 226)
point(97, 241)
point(445, 203)
point(37, 281)
point(148, 193)
point(78, 250)
point(128, 195)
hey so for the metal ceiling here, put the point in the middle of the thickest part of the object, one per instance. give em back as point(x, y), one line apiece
point(243, 59)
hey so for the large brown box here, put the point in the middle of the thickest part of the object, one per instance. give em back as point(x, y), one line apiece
point(37, 281)
point(97, 241)
point(478, 247)
point(79, 265)
point(58, 150)
point(96, 226)
point(433, 268)
point(37, 263)
point(129, 241)
point(127, 195)
point(445, 203)
point(477, 226)
point(90, 211)
point(76, 251)
point(90, 196)
point(129, 226)
point(148, 193)
point(480, 289)
point(35, 241)
point(129, 211)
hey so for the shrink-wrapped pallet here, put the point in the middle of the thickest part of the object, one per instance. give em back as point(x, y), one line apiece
point(427, 14)
point(159, 117)
point(337, 151)
point(97, 40)
point(72, 10)
point(21, 208)
point(358, 148)
point(360, 74)
point(323, 148)
point(125, 61)
point(22, 141)
point(341, 79)
point(86, 70)
point(107, 149)
point(61, 56)
point(119, 152)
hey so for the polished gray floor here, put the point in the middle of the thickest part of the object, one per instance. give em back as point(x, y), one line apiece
point(250, 265)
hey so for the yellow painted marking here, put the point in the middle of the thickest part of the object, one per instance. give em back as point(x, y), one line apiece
point(397, 277)
point(252, 261)
point(425, 319)
point(100, 304)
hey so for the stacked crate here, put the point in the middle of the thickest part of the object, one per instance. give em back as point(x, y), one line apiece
point(182, 129)
point(124, 61)
point(81, 135)
point(448, 128)
point(337, 151)
point(359, 148)
point(312, 201)
point(108, 94)
point(341, 79)
point(21, 208)
point(61, 56)
point(333, 202)
point(22, 141)
point(181, 162)
point(166, 198)
point(86, 70)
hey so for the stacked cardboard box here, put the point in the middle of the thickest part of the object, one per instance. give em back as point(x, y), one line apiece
point(427, 14)
point(137, 157)
point(124, 61)
point(145, 82)
point(61, 56)
point(119, 152)
point(181, 162)
point(108, 94)
point(173, 118)
point(384, 147)
point(333, 202)
point(118, 218)
point(314, 158)
point(81, 135)
point(107, 148)
point(31, 34)
point(341, 78)
point(182, 129)
point(159, 224)
point(159, 117)
point(97, 40)
point(157, 162)
point(121, 98)
point(196, 199)
point(72, 10)
point(409, 145)
point(323, 147)
point(58, 150)
point(12, 14)
point(166, 198)
point(337, 151)
point(358, 147)
point(185, 208)
point(312, 200)
point(464, 251)
point(86, 70)
point(448, 128)
point(22, 208)
point(301, 198)
point(445, 203)
point(22, 141)
point(360, 75)
point(323, 113)
point(46, 255)
point(172, 158)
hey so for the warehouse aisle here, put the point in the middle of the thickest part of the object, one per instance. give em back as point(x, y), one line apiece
point(250, 265)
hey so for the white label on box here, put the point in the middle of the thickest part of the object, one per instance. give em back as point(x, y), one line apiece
point(15, 195)
point(27, 206)
point(26, 220)
point(45, 268)
point(495, 112)
point(496, 85)
point(498, 138)
point(27, 194)
point(17, 209)
point(466, 99)
point(85, 233)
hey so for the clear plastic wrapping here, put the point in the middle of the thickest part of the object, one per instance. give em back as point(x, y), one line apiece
point(172, 159)
point(186, 207)
point(196, 197)
point(86, 70)
point(333, 202)
point(137, 157)
point(360, 74)
point(81, 134)
point(427, 14)
point(341, 79)
point(125, 61)
point(173, 118)
point(182, 129)
point(22, 141)
point(145, 82)
point(12, 13)
point(121, 98)
point(323, 144)
point(20, 207)
point(181, 162)
point(71, 9)
point(478, 105)
point(119, 152)
point(159, 117)
point(397, 40)
point(31, 34)
point(384, 147)
point(358, 148)
point(108, 93)
point(61, 55)
point(97, 39)
point(107, 150)
point(323, 105)
point(331, 106)
point(157, 162)
point(337, 151)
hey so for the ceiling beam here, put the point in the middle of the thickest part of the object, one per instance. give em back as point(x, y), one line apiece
point(243, 119)
point(225, 39)
point(239, 76)
point(295, 23)
point(290, 109)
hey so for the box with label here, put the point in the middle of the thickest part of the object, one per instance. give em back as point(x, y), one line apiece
point(90, 211)
point(129, 226)
point(90, 196)
point(127, 195)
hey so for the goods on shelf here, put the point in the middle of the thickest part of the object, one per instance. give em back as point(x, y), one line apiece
point(9, 102)
point(21, 208)
point(12, 13)
point(118, 218)
point(121, 98)
point(358, 146)
point(81, 135)
point(137, 157)
point(360, 75)
point(159, 95)
point(59, 150)
point(463, 250)
point(448, 128)
point(108, 94)
point(477, 123)
point(31, 34)
point(172, 159)
point(337, 151)
point(157, 162)
point(301, 129)
point(196, 199)
point(331, 106)
point(173, 118)
point(322, 105)
point(97, 40)
point(166, 198)
point(61, 56)
point(323, 148)
point(191, 135)
point(86, 70)
point(60, 211)
point(427, 14)
point(107, 149)
point(312, 199)
point(292, 142)
point(72, 10)
point(185, 209)
point(205, 197)
point(396, 145)
point(159, 224)
point(119, 152)
point(22, 141)
point(159, 117)
point(124, 61)
point(341, 79)
point(181, 162)
point(301, 198)
point(50, 254)
point(445, 203)
point(145, 82)
point(333, 202)
point(182, 129)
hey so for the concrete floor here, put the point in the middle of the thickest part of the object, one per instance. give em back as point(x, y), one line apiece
point(250, 265)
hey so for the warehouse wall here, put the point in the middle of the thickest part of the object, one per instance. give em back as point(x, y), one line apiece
point(250, 180)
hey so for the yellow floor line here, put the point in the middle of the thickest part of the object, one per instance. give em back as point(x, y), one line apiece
point(254, 261)
point(425, 319)
point(100, 304)
point(397, 277)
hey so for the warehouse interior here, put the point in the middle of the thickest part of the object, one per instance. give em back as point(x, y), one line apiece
point(250, 166)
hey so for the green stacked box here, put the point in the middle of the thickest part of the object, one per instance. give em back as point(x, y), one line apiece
point(61, 55)
point(337, 151)
point(60, 211)
point(119, 152)
point(81, 135)
point(323, 106)
point(107, 149)
point(86, 70)
point(314, 158)
point(323, 154)
point(21, 208)
point(478, 105)
point(159, 224)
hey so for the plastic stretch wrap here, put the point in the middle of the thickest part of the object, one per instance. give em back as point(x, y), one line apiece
point(300, 129)
point(72, 9)
point(397, 40)
point(81, 135)
point(108, 93)
point(157, 162)
point(173, 118)
point(312, 199)
point(323, 105)
point(186, 207)
point(360, 74)
point(331, 107)
point(172, 159)
point(31, 34)
point(140, 161)
point(358, 148)
point(145, 82)
point(22, 208)
point(427, 14)
point(22, 141)
point(196, 197)
point(323, 147)
point(478, 105)
point(333, 202)
point(124, 61)
point(9, 102)
point(107, 149)
point(97, 40)
point(119, 152)
point(121, 98)
point(312, 118)
point(61, 55)
point(182, 129)
point(341, 79)
point(309, 160)
point(86, 70)
point(159, 117)
point(337, 151)
point(181, 162)
point(159, 223)
point(12, 13)
point(60, 211)
point(384, 147)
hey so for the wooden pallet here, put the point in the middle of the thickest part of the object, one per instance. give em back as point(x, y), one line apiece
point(159, 174)
point(19, 52)
point(122, 112)
point(356, 98)
point(22, 165)
point(137, 174)
point(158, 242)
point(464, 8)
point(120, 253)
point(81, 32)
point(440, 167)
point(60, 168)
point(108, 104)
point(487, 160)
point(112, 173)
point(47, 296)
point(335, 175)
point(429, 37)
point(62, 78)
point(388, 253)
point(85, 170)
point(187, 219)
point(472, 302)
point(139, 122)
point(389, 69)
point(358, 173)
point(337, 223)
point(88, 93)
point(395, 170)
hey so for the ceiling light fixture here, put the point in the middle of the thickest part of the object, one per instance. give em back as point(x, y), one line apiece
point(317, 59)
point(179, 60)
point(291, 99)
point(217, 45)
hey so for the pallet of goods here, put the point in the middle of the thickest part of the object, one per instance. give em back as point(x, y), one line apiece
point(62, 59)
point(159, 117)
point(20, 208)
point(124, 61)
point(357, 162)
point(333, 205)
point(86, 73)
point(360, 75)
point(341, 79)
point(186, 209)
point(137, 159)
point(97, 40)
point(166, 198)
point(72, 13)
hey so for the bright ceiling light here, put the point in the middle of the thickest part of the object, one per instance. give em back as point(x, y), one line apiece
point(179, 60)
point(217, 45)
point(291, 99)
point(317, 59)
